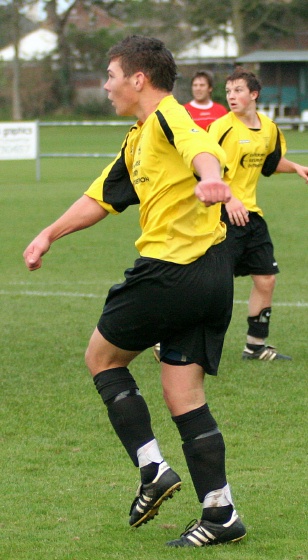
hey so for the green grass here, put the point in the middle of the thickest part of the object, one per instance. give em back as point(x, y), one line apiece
point(66, 484)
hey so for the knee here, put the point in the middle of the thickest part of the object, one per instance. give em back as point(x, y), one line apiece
point(90, 362)
point(97, 362)
point(180, 402)
point(175, 402)
point(265, 283)
point(167, 399)
point(99, 355)
point(102, 355)
point(96, 358)
point(183, 387)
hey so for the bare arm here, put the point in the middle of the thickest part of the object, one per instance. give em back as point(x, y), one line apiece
point(85, 212)
point(211, 188)
point(287, 166)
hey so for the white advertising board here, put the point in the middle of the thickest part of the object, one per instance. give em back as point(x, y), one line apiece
point(18, 140)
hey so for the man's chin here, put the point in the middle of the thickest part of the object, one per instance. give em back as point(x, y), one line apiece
point(123, 113)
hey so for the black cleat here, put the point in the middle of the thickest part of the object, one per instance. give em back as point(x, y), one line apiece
point(265, 353)
point(150, 496)
point(205, 533)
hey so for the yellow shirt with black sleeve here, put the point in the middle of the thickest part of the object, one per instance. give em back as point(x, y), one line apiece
point(154, 169)
point(250, 152)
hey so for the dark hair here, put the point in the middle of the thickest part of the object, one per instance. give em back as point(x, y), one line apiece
point(253, 83)
point(148, 55)
point(204, 74)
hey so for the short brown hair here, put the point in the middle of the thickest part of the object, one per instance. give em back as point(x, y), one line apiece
point(148, 55)
point(253, 83)
point(204, 74)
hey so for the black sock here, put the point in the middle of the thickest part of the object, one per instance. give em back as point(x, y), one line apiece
point(205, 459)
point(127, 409)
point(254, 347)
point(204, 450)
point(217, 514)
point(148, 473)
point(131, 420)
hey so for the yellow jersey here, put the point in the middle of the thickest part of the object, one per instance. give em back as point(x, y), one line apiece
point(250, 152)
point(154, 169)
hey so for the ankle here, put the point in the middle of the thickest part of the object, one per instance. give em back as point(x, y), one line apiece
point(148, 473)
point(217, 514)
point(254, 347)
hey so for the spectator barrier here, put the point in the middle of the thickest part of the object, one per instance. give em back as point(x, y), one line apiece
point(22, 140)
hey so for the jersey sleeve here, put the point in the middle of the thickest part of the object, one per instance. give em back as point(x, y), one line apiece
point(273, 158)
point(218, 130)
point(188, 138)
point(113, 190)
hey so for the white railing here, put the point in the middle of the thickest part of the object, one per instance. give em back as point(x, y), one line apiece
point(75, 155)
point(22, 140)
point(277, 114)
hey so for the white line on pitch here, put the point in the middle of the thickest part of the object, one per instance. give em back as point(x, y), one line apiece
point(100, 296)
point(279, 304)
point(50, 294)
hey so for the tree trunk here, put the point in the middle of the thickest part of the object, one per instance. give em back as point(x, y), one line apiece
point(238, 25)
point(16, 97)
point(58, 23)
point(16, 101)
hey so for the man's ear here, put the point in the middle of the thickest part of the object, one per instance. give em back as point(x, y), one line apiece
point(138, 80)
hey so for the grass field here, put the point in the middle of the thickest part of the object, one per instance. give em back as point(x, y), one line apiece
point(66, 485)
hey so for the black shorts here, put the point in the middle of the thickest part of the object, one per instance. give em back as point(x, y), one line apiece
point(251, 246)
point(185, 307)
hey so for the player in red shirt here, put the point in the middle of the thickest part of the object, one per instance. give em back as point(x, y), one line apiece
point(202, 108)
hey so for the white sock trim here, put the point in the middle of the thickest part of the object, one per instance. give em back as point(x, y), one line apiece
point(218, 498)
point(149, 453)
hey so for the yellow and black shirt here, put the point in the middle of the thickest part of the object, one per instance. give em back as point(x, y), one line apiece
point(154, 169)
point(250, 152)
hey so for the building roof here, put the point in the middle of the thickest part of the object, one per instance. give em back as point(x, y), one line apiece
point(275, 56)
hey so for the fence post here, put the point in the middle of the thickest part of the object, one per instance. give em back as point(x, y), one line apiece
point(38, 152)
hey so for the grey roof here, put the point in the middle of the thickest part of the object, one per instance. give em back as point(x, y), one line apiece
point(275, 56)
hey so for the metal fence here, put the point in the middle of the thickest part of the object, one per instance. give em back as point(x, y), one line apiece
point(283, 123)
point(74, 155)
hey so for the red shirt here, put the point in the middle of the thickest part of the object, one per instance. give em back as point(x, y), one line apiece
point(203, 115)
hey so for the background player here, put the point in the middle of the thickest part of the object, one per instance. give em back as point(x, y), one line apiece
point(253, 145)
point(202, 108)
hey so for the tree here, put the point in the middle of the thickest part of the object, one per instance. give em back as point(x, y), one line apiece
point(89, 48)
point(14, 19)
point(16, 99)
point(255, 24)
point(58, 20)
point(6, 27)
point(164, 19)
point(78, 48)
point(13, 10)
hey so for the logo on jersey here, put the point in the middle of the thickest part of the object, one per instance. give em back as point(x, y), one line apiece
point(252, 160)
point(140, 180)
